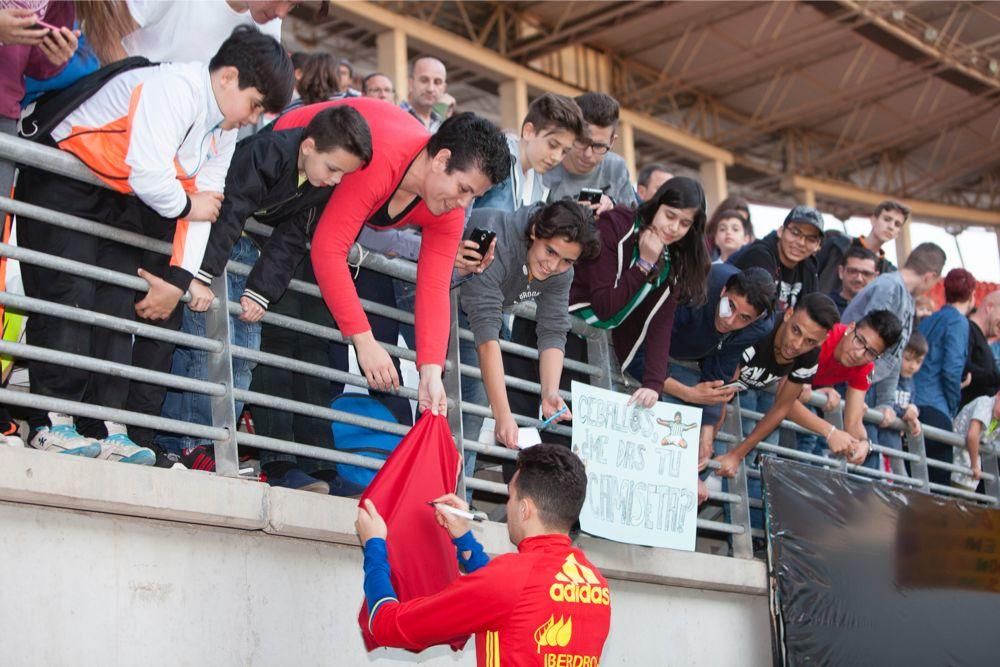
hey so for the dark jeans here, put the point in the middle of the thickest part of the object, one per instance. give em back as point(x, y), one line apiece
point(937, 450)
point(122, 211)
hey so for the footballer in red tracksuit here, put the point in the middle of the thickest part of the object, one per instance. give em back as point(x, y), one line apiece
point(545, 605)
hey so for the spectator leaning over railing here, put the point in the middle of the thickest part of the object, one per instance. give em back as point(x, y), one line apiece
point(651, 259)
point(896, 292)
point(979, 423)
point(902, 404)
point(282, 178)
point(981, 368)
point(134, 131)
point(856, 270)
point(789, 355)
point(939, 382)
point(848, 356)
point(738, 313)
point(887, 220)
point(552, 124)
point(537, 248)
point(414, 179)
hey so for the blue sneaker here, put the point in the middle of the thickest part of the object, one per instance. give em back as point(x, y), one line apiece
point(293, 478)
point(63, 439)
point(119, 447)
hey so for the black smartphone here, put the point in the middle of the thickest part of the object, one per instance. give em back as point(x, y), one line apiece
point(590, 195)
point(483, 238)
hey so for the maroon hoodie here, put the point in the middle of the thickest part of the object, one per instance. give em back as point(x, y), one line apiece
point(606, 285)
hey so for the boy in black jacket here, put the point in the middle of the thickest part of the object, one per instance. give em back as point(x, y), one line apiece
point(283, 179)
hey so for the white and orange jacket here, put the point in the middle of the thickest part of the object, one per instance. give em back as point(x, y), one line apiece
point(155, 132)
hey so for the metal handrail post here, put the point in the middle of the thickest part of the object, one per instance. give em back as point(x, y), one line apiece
point(739, 511)
point(220, 369)
point(990, 466)
point(453, 388)
point(599, 355)
point(918, 469)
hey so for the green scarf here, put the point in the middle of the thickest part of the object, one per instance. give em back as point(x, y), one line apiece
point(591, 318)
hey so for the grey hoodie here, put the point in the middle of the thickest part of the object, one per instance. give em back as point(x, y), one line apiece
point(484, 297)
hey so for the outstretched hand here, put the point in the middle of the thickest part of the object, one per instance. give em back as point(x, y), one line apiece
point(369, 523)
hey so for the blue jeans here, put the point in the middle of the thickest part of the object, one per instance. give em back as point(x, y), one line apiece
point(197, 408)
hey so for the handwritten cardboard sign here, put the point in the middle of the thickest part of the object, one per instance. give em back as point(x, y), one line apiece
point(642, 468)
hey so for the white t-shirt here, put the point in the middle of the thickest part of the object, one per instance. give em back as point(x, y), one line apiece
point(980, 410)
point(186, 31)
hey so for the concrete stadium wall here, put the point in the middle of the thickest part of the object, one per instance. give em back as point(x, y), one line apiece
point(107, 564)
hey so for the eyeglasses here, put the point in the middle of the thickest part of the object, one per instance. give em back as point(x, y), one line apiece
point(806, 239)
point(599, 149)
point(870, 352)
point(852, 271)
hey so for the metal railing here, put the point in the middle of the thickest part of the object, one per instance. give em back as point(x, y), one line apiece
point(219, 387)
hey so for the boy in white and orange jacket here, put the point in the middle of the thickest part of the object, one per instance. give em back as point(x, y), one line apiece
point(165, 134)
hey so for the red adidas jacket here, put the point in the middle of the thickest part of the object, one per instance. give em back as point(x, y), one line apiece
point(544, 606)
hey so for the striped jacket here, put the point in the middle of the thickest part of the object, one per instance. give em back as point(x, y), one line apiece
point(156, 132)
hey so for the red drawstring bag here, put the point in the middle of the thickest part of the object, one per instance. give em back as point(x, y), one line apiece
point(422, 558)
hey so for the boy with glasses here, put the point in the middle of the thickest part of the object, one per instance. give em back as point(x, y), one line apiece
point(848, 356)
point(590, 164)
point(856, 270)
point(788, 254)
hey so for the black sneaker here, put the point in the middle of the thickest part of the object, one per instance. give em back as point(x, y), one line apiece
point(165, 459)
point(199, 458)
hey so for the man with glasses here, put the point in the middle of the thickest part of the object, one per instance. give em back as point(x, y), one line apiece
point(590, 164)
point(856, 270)
point(788, 254)
point(848, 356)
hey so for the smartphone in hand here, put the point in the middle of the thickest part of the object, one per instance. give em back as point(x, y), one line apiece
point(590, 196)
point(483, 238)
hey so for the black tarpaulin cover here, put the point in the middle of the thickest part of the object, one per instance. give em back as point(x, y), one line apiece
point(864, 573)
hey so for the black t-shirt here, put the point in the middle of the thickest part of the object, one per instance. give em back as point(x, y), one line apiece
point(760, 369)
point(792, 283)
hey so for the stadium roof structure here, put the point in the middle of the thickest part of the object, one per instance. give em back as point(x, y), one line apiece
point(849, 100)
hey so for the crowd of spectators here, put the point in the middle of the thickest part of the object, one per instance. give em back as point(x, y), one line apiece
point(698, 309)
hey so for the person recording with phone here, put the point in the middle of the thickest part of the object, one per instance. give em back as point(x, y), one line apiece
point(708, 342)
point(536, 250)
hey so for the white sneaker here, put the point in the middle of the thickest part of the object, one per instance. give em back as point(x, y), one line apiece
point(11, 441)
point(63, 439)
point(119, 447)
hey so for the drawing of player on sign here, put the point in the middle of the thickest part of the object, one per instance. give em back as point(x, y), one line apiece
point(677, 428)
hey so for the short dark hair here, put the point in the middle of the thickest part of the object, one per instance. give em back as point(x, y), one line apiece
point(858, 252)
point(475, 143)
point(755, 285)
point(299, 59)
point(341, 127)
point(885, 323)
point(642, 178)
point(554, 112)
point(689, 261)
point(555, 480)
point(346, 63)
point(820, 309)
point(566, 219)
point(599, 109)
point(917, 345)
point(262, 64)
point(926, 258)
point(892, 205)
point(364, 81)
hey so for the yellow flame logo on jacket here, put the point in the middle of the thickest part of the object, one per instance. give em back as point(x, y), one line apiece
point(578, 583)
point(553, 633)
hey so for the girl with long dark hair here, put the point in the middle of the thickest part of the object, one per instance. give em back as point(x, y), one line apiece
point(652, 258)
